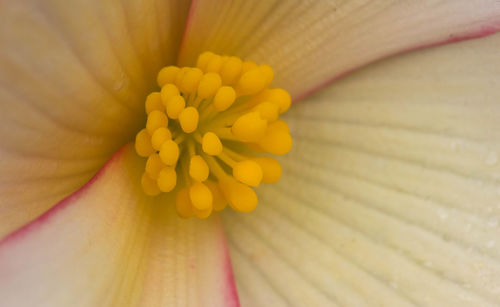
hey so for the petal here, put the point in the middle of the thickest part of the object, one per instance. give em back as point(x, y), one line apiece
point(110, 245)
point(310, 43)
point(390, 196)
point(73, 79)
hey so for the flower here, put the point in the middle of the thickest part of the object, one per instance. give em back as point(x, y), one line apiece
point(389, 197)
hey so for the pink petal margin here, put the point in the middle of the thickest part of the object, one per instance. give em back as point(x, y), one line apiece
point(483, 32)
point(478, 30)
point(214, 274)
point(52, 213)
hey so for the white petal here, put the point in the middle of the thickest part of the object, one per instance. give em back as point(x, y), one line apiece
point(310, 43)
point(391, 195)
point(73, 79)
point(110, 245)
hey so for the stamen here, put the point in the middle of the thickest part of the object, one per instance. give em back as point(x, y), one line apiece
point(209, 123)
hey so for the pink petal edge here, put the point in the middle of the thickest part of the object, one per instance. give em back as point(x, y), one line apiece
point(231, 295)
point(232, 298)
point(189, 18)
point(61, 205)
point(483, 32)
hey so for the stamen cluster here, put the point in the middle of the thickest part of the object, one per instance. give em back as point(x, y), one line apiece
point(204, 130)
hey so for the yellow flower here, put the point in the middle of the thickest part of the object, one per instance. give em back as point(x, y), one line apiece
point(390, 196)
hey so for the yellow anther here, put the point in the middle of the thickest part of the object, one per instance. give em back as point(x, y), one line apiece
point(251, 82)
point(167, 179)
point(154, 165)
point(194, 110)
point(189, 83)
point(169, 152)
point(160, 136)
point(214, 64)
point(203, 59)
point(224, 98)
point(167, 91)
point(153, 102)
point(219, 202)
point(239, 196)
point(248, 172)
point(231, 70)
point(249, 127)
point(200, 196)
point(175, 105)
point(271, 169)
point(211, 144)
point(278, 96)
point(180, 76)
point(268, 110)
point(149, 185)
point(189, 119)
point(143, 145)
point(198, 168)
point(156, 119)
point(248, 65)
point(280, 125)
point(276, 141)
point(202, 214)
point(167, 75)
point(209, 84)
point(183, 204)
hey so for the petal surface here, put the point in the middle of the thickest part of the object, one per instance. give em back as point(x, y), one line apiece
point(110, 245)
point(391, 194)
point(310, 43)
point(73, 79)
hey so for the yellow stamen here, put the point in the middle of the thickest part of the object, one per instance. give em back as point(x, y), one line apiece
point(167, 179)
point(277, 140)
point(239, 196)
point(189, 119)
point(175, 105)
point(271, 169)
point(198, 168)
point(203, 59)
point(159, 137)
point(149, 185)
point(211, 144)
point(231, 70)
point(183, 203)
point(154, 165)
point(156, 119)
point(268, 110)
point(169, 152)
point(209, 84)
point(248, 172)
point(224, 98)
point(153, 102)
point(167, 75)
point(250, 127)
point(143, 145)
point(200, 196)
point(209, 123)
point(218, 202)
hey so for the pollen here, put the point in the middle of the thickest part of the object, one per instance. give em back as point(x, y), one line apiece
point(209, 134)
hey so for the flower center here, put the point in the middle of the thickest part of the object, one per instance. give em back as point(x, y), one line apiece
point(205, 129)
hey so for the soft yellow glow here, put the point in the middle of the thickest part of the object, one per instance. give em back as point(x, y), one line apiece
point(204, 130)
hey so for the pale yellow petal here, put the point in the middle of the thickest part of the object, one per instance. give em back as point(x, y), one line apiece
point(110, 245)
point(310, 43)
point(391, 194)
point(73, 79)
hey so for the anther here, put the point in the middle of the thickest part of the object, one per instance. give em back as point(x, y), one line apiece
point(209, 123)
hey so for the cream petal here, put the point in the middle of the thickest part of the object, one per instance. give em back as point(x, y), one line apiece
point(110, 245)
point(310, 43)
point(73, 79)
point(391, 194)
